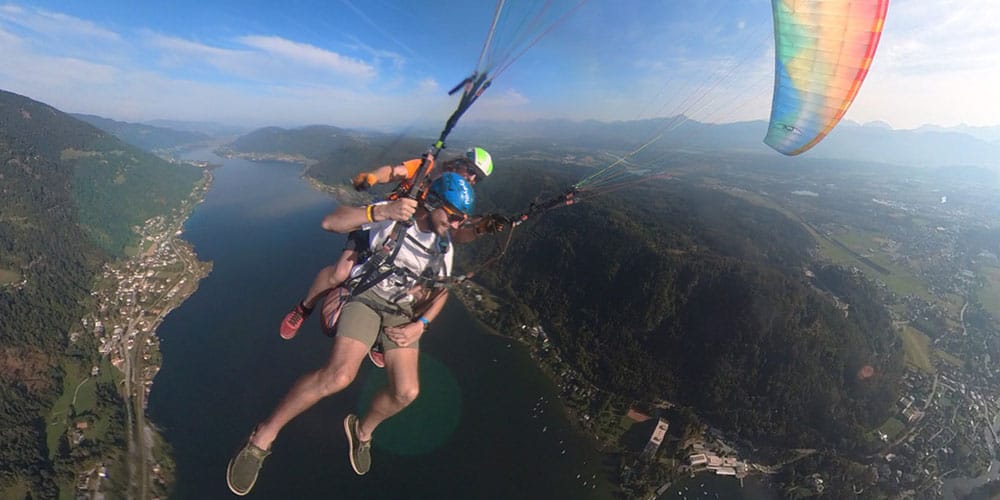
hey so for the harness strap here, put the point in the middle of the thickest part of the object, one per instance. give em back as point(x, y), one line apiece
point(383, 259)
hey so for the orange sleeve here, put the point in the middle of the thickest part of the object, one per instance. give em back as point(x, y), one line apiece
point(413, 165)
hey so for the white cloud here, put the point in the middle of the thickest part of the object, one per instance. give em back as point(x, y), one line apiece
point(938, 62)
point(54, 24)
point(175, 53)
point(8, 40)
point(311, 56)
point(428, 86)
point(141, 75)
point(261, 59)
point(397, 60)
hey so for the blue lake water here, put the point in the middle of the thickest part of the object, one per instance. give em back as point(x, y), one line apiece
point(476, 431)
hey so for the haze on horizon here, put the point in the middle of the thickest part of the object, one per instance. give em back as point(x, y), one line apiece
point(389, 64)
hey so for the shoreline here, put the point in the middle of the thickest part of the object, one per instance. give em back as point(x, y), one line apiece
point(132, 299)
point(560, 373)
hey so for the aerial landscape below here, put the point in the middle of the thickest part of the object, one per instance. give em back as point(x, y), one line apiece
point(740, 250)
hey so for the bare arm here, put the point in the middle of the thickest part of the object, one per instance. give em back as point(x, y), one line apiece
point(436, 304)
point(408, 333)
point(464, 234)
point(346, 219)
point(478, 226)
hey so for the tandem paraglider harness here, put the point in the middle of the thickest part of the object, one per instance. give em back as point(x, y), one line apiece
point(378, 265)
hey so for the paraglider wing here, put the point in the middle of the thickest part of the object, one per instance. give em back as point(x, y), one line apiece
point(823, 49)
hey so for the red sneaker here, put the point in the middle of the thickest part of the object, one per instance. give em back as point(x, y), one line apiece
point(375, 354)
point(292, 322)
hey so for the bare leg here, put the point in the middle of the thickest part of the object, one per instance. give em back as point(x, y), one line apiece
point(330, 277)
point(339, 372)
point(402, 389)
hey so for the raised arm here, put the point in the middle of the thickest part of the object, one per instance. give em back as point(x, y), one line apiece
point(386, 174)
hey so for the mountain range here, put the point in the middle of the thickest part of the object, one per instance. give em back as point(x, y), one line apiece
point(925, 147)
point(144, 136)
point(875, 142)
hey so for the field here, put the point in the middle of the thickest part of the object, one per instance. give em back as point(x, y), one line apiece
point(892, 428)
point(18, 490)
point(80, 387)
point(8, 276)
point(915, 348)
point(858, 248)
point(949, 358)
point(863, 249)
point(989, 294)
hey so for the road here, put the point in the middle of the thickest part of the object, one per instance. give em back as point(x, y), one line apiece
point(139, 437)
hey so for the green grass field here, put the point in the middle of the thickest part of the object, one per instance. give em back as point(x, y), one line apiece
point(79, 384)
point(949, 358)
point(916, 348)
point(989, 294)
point(892, 428)
point(8, 276)
point(900, 280)
point(18, 490)
point(56, 420)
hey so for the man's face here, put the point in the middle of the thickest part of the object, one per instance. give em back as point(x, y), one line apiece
point(445, 218)
point(466, 169)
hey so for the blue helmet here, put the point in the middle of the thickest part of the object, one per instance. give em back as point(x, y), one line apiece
point(454, 190)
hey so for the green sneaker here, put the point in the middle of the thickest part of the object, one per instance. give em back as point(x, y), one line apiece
point(361, 451)
point(243, 468)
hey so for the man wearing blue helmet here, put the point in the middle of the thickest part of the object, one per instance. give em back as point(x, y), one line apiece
point(383, 312)
point(474, 165)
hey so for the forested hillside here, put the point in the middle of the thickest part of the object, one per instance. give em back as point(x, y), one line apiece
point(70, 195)
point(312, 142)
point(698, 297)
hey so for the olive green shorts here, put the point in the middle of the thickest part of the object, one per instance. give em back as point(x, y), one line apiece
point(364, 318)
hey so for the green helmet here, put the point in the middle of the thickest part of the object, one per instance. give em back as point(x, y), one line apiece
point(482, 160)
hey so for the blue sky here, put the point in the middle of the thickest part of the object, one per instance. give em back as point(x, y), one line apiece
point(388, 64)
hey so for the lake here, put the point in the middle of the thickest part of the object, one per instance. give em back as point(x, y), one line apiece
point(487, 423)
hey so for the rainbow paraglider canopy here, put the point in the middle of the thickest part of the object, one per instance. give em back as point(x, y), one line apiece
point(823, 49)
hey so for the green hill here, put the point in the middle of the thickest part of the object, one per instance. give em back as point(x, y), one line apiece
point(698, 297)
point(71, 194)
point(314, 141)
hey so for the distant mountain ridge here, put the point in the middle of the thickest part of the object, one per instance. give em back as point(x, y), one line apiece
point(988, 134)
point(874, 142)
point(147, 137)
point(211, 129)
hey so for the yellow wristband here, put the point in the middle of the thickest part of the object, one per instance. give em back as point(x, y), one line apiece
point(370, 213)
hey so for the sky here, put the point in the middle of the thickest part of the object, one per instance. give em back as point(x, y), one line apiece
point(389, 64)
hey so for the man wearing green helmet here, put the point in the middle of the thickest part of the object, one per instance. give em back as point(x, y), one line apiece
point(474, 165)
point(383, 312)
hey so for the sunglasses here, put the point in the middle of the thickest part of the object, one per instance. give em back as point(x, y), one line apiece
point(465, 169)
point(453, 215)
